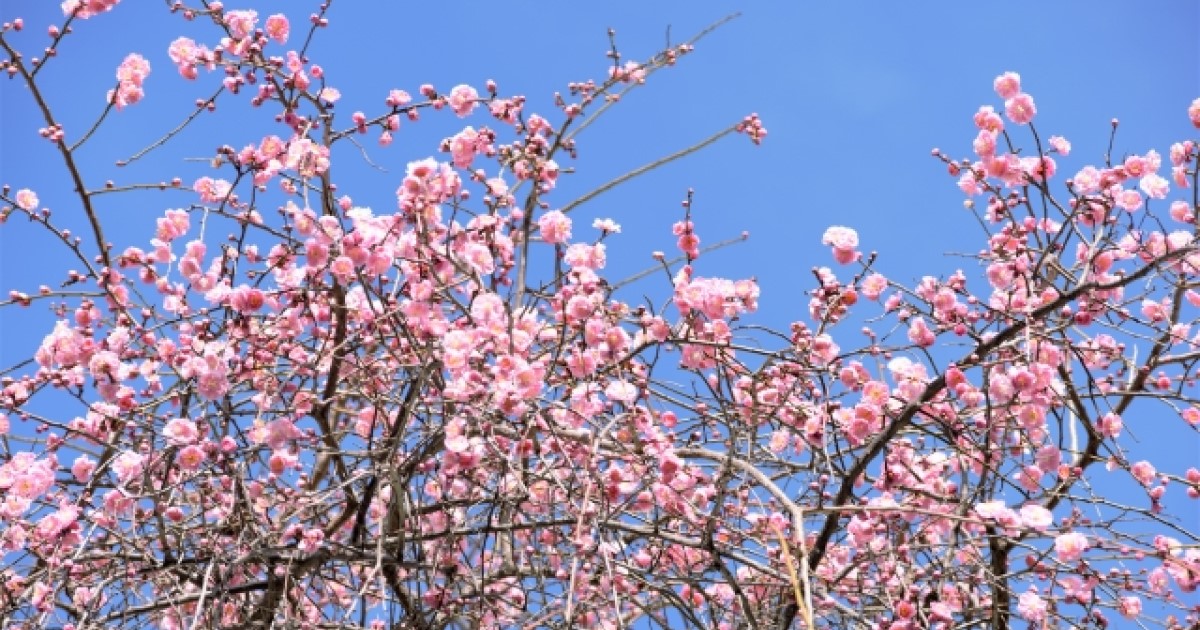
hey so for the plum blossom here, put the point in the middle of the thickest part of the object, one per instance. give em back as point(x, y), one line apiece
point(27, 200)
point(330, 94)
point(1130, 606)
point(1007, 85)
point(621, 391)
point(1129, 200)
point(307, 157)
point(84, 9)
point(1144, 472)
point(174, 225)
point(873, 285)
point(1020, 109)
point(1031, 606)
point(920, 334)
point(131, 74)
point(555, 227)
point(1110, 425)
point(584, 255)
point(181, 431)
point(996, 511)
point(1070, 546)
point(1036, 517)
point(608, 226)
point(987, 118)
point(83, 467)
point(190, 457)
point(212, 190)
point(128, 465)
point(241, 23)
point(186, 54)
point(843, 240)
point(1155, 186)
point(463, 100)
point(277, 28)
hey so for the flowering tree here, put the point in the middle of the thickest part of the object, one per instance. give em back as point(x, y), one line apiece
point(287, 410)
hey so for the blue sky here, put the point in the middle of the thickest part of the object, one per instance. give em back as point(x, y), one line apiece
point(854, 95)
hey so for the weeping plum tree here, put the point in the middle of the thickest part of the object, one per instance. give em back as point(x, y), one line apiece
point(290, 411)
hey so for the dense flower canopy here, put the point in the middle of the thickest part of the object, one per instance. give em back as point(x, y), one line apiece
point(443, 414)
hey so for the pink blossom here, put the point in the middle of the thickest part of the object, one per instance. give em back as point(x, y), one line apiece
point(181, 431)
point(27, 200)
point(1036, 517)
point(131, 74)
point(1031, 606)
point(969, 183)
point(1060, 144)
point(1155, 311)
point(277, 28)
point(174, 225)
point(212, 190)
point(1110, 425)
point(311, 540)
point(307, 157)
point(840, 237)
point(1179, 175)
point(1070, 546)
point(621, 391)
point(1194, 113)
point(330, 94)
point(247, 299)
point(1130, 200)
point(608, 226)
point(83, 467)
point(1007, 85)
point(1087, 180)
point(279, 461)
point(480, 257)
point(555, 227)
point(984, 145)
point(1181, 211)
point(824, 349)
point(463, 100)
point(987, 118)
point(587, 256)
point(920, 334)
point(1130, 606)
point(241, 23)
point(997, 511)
point(84, 9)
point(631, 72)
point(1144, 472)
point(1020, 108)
point(463, 147)
point(190, 457)
point(128, 465)
point(1155, 186)
point(397, 98)
point(184, 51)
point(844, 240)
point(873, 285)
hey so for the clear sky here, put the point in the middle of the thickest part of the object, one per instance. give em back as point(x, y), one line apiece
point(854, 95)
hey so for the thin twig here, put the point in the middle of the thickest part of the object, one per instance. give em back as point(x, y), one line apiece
point(647, 168)
point(174, 132)
point(711, 248)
